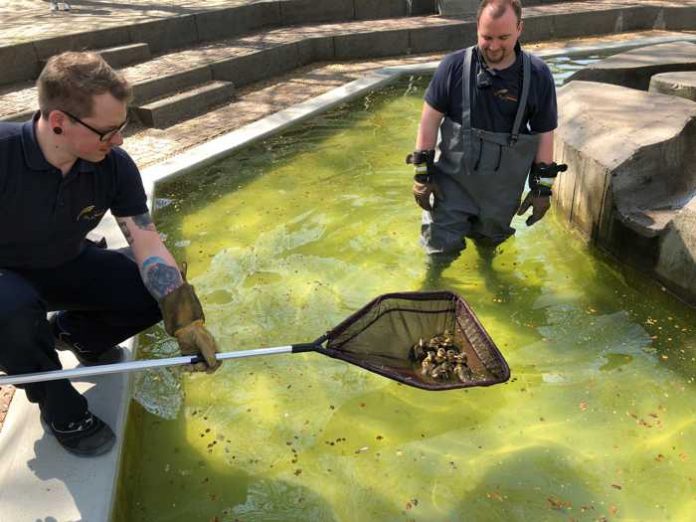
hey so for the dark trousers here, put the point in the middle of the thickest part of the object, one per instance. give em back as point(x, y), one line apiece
point(105, 302)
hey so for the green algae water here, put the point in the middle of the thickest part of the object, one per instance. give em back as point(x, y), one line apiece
point(289, 237)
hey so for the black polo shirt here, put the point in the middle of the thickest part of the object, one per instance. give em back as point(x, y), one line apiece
point(494, 108)
point(45, 216)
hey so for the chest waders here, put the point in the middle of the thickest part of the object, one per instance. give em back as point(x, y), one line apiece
point(481, 175)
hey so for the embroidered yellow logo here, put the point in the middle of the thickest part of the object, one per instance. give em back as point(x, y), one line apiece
point(90, 213)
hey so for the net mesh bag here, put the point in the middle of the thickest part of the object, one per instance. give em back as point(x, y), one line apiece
point(384, 336)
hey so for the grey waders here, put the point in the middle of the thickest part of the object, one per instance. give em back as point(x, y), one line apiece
point(482, 176)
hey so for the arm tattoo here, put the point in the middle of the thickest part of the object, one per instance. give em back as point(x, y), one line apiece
point(124, 228)
point(159, 277)
point(144, 222)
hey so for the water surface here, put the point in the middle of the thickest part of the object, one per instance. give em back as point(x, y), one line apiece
point(286, 239)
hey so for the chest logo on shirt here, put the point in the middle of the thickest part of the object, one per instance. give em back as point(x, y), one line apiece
point(506, 95)
point(90, 213)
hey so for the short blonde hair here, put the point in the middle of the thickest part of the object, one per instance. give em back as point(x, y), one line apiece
point(71, 79)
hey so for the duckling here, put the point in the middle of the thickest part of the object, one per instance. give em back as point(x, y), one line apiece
point(463, 373)
point(418, 350)
point(441, 371)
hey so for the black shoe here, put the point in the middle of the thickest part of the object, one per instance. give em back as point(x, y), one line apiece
point(86, 357)
point(86, 437)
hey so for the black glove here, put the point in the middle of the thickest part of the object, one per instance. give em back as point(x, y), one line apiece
point(423, 182)
point(541, 178)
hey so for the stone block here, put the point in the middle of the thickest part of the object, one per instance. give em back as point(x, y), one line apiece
point(676, 263)
point(364, 45)
point(422, 7)
point(260, 65)
point(457, 7)
point(537, 28)
point(635, 67)
point(576, 24)
point(317, 49)
point(679, 18)
point(97, 39)
point(19, 63)
point(157, 87)
point(637, 18)
point(234, 21)
point(125, 55)
point(442, 37)
point(185, 105)
point(168, 33)
point(682, 84)
point(306, 12)
point(375, 9)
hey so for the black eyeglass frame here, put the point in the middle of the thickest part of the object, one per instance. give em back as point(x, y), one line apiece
point(103, 136)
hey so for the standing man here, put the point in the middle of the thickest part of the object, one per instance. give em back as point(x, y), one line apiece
point(495, 109)
point(59, 174)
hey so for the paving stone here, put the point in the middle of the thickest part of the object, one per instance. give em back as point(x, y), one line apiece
point(682, 84)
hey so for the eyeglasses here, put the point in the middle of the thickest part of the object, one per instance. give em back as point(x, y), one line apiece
point(103, 136)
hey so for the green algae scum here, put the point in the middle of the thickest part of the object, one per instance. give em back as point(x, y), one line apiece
point(289, 237)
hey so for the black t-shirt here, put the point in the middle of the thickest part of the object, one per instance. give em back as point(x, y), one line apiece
point(494, 108)
point(45, 216)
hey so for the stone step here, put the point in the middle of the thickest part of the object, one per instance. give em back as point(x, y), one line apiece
point(162, 80)
point(120, 55)
point(266, 54)
point(470, 7)
point(181, 106)
point(21, 60)
point(125, 55)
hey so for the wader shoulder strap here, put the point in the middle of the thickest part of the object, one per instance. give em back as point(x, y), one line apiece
point(522, 106)
point(466, 82)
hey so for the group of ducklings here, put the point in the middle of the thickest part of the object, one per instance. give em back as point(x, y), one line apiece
point(441, 359)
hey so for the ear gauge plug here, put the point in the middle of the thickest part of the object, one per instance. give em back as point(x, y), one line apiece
point(57, 130)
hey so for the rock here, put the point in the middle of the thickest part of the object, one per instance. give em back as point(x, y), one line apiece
point(631, 166)
point(682, 84)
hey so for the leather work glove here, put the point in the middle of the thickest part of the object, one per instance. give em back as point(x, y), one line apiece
point(183, 318)
point(540, 205)
point(424, 185)
point(541, 178)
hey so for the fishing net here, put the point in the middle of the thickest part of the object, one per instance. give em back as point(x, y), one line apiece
point(430, 340)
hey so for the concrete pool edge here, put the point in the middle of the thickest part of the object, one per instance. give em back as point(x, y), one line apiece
point(82, 485)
